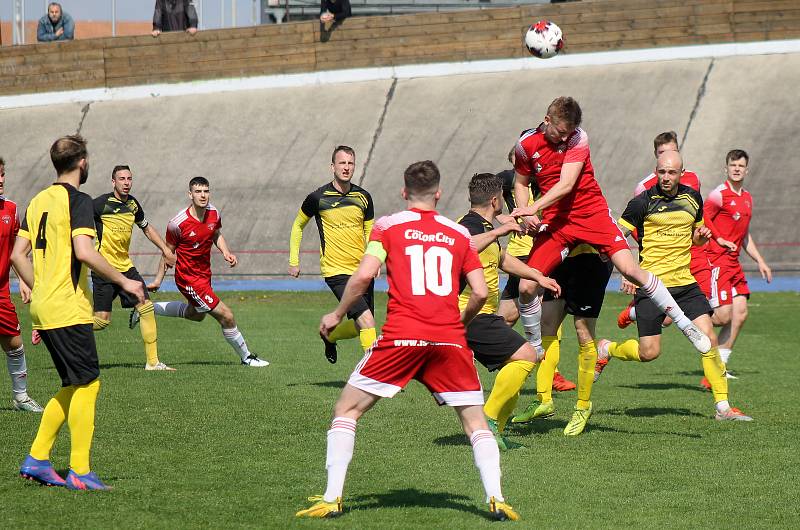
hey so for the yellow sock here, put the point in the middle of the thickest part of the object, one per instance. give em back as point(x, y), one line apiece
point(627, 351)
point(345, 330)
point(506, 387)
point(587, 357)
point(367, 338)
point(714, 371)
point(54, 416)
point(81, 425)
point(147, 325)
point(547, 369)
point(100, 324)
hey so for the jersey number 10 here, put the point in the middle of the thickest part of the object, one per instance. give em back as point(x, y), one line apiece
point(431, 269)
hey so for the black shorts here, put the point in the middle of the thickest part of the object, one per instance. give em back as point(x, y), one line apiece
point(511, 289)
point(104, 291)
point(583, 280)
point(74, 353)
point(649, 317)
point(492, 341)
point(365, 303)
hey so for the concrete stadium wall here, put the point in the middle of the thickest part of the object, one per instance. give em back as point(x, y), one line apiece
point(265, 150)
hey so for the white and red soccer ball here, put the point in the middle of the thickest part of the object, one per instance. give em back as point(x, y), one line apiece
point(544, 39)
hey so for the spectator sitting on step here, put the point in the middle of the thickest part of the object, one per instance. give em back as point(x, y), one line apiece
point(333, 12)
point(55, 25)
point(174, 15)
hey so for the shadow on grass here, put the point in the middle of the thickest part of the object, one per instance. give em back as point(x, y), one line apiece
point(665, 386)
point(411, 498)
point(140, 366)
point(323, 384)
point(543, 426)
point(652, 412)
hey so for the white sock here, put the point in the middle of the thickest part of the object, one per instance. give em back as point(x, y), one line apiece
point(723, 405)
point(531, 316)
point(665, 302)
point(487, 460)
point(632, 313)
point(341, 440)
point(724, 354)
point(18, 370)
point(235, 339)
point(170, 309)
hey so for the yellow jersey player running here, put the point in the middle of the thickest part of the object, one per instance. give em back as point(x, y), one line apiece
point(669, 219)
point(494, 343)
point(344, 214)
point(59, 227)
point(114, 215)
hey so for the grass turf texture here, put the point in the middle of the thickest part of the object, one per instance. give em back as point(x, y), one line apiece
point(219, 445)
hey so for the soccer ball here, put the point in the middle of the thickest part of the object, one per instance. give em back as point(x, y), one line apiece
point(544, 39)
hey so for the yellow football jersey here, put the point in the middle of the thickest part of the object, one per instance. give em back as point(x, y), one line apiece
point(114, 220)
point(490, 259)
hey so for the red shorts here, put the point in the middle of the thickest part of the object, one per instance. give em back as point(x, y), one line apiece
point(446, 369)
point(553, 243)
point(731, 282)
point(708, 280)
point(200, 296)
point(9, 324)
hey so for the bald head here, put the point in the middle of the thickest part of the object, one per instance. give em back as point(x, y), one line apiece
point(669, 169)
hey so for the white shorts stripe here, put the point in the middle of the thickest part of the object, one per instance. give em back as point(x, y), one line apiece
point(459, 399)
point(374, 387)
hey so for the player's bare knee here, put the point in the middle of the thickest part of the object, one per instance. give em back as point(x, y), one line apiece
point(648, 354)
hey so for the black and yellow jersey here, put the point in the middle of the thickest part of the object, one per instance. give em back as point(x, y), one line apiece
point(490, 259)
point(344, 221)
point(114, 220)
point(61, 295)
point(518, 244)
point(665, 226)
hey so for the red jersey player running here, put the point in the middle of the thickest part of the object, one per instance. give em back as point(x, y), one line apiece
point(575, 211)
point(730, 207)
point(426, 256)
point(9, 324)
point(190, 235)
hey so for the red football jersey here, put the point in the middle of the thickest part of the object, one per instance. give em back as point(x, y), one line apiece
point(537, 158)
point(193, 240)
point(689, 178)
point(427, 254)
point(9, 226)
point(731, 213)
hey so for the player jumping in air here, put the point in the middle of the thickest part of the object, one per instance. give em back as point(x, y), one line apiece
point(10, 339)
point(495, 344)
point(190, 235)
point(114, 215)
point(669, 219)
point(575, 211)
point(426, 255)
point(344, 214)
point(59, 227)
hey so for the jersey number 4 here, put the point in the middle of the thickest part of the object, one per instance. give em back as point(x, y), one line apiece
point(431, 269)
point(41, 234)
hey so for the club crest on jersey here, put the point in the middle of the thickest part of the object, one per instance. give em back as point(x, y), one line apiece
point(538, 168)
point(7, 219)
point(736, 216)
point(210, 226)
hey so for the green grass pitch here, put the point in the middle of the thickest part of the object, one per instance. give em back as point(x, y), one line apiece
point(218, 445)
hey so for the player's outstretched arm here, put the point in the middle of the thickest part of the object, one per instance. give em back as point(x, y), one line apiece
point(479, 292)
point(300, 222)
point(483, 240)
point(356, 286)
point(19, 260)
point(83, 246)
point(752, 251)
point(154, 237)
point(512, 265)
point(222, 245)
point(569, 176)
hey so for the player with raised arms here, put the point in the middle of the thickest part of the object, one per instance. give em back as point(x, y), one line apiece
point(115, 214)
point(190, 235)
point(426, 255)
point(669, 220)
point(495, 344)
point(574, 211)
point(10, 339)
point(59, 228)
point(344, 214)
